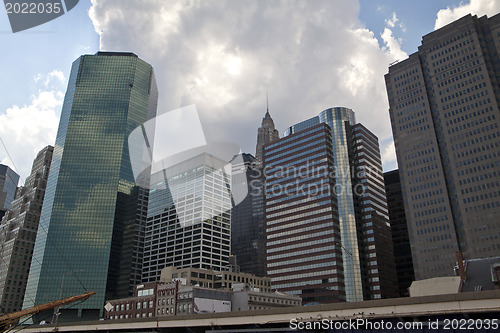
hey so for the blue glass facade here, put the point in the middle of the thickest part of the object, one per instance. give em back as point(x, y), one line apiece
point(91, 198)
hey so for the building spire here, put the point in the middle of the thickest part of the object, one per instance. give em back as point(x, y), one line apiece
point(267, 105)
point(266, 134)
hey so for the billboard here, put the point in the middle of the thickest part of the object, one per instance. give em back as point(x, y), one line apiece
point(207, 305)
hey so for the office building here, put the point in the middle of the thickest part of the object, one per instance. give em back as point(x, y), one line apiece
point(8, 185)
point(332, 153)
point(183, 291)
point(248, 238)
point(18, 230)
point(375, 246)
point(445, 119)
point(189, 216)
point(302, 225)
point(142, 304)
point(399, 229)
point(207, 278)
point(92, 200)
point(248, 299)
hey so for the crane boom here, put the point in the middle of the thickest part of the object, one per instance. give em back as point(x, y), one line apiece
point(7, 320)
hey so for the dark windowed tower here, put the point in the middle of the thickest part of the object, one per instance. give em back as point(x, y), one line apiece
point(445, 119)
point(247, 220)
point(92, 201)
point(18, 233)
point(399, 229)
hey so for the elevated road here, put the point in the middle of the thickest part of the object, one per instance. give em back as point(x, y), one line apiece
point(466, 306)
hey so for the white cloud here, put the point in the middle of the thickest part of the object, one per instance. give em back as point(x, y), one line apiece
point(393, 46)
point(392, 21)
point(388, 155)
point(26, 129)
point(223, 56)
point(395, 22)
point(474, 7)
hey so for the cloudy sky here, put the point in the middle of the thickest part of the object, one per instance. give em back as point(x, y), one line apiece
point(223, 56)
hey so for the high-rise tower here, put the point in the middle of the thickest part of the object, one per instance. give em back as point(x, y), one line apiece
point(359, 209)
point(248, 239)
point(18, 233)
point(92, 201)
point(8, 185)
point(189, 217)
point(444, 109)
point(399, 229)
point(266, 134)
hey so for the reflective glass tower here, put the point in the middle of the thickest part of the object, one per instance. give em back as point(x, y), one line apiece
point(92, 201)
point(248, 240)
point(365, 237)
point(338, 119)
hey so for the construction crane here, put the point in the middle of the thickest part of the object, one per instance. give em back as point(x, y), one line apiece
point(7, 320)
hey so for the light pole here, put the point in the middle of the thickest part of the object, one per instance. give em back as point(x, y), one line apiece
point(56, 310)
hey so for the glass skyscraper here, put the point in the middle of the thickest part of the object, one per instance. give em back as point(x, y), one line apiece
point(303, 234)
point(92, 201)
point(248, 239)
point(364, 236)
point(337, 119)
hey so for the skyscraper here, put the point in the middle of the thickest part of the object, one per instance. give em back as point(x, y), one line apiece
point(303, 233)
point(189, 216)
point(445, 119)
point(8, 185)
point(364, 239)
point(18, 231)
point(91, 198)
point(266, 134)
point(248, 238)
point(399, 229)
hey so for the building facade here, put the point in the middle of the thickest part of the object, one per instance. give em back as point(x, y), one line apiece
point(142, 304)
point(189, 217)
point(445, 120)
point(399, 229)
point(361, 240)
point(206, 278)
point(375, 245)
point(158, 299)
point(302, 224)
point(266, 134)
point(18, 230)
point(92, 199)
point(248, 238)
point(8, 185)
